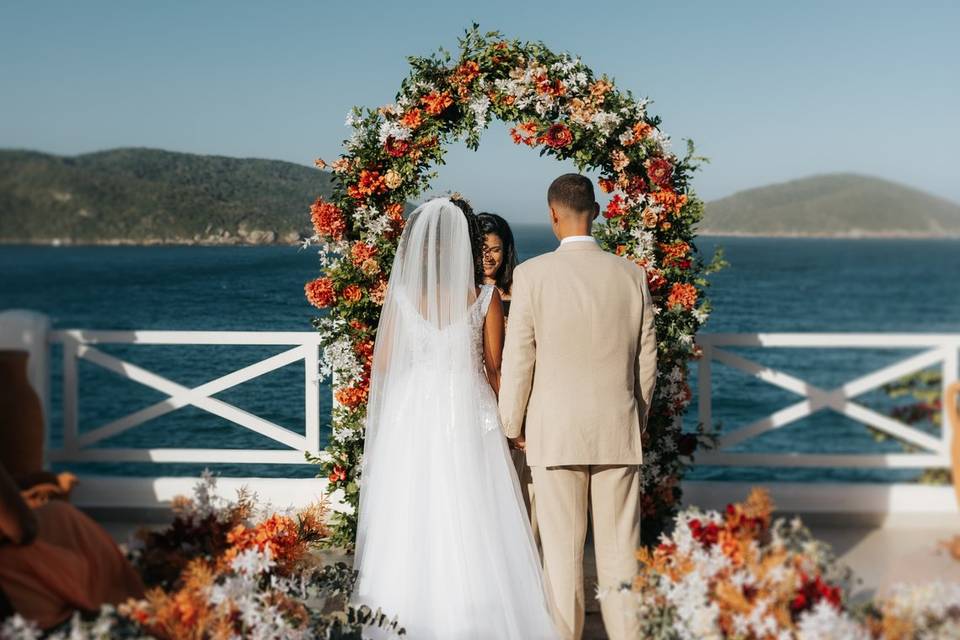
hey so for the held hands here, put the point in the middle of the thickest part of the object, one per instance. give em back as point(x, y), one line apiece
point(519, 443)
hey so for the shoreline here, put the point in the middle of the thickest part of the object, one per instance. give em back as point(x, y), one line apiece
point(237, 242)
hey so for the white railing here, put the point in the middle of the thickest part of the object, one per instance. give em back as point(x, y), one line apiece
point(80, 345)
point(934, 451)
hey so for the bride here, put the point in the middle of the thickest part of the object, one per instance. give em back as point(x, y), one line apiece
point(443, 539)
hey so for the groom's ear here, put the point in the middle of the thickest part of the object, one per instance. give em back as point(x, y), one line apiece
point(554, 217)
point(596, 210)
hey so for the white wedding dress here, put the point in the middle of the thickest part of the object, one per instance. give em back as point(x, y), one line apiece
point(443, 539)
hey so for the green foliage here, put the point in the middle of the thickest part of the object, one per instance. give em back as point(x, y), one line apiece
point(150, 195)
point(924, 389)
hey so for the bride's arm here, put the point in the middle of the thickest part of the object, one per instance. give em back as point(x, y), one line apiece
point(493, 332)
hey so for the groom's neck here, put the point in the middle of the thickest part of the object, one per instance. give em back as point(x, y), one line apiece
point(570, 230)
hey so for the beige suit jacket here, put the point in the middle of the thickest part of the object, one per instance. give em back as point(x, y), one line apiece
point(580, 360)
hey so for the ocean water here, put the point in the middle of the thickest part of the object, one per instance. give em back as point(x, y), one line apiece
point(772, 285)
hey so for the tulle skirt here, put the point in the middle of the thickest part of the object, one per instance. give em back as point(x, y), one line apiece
point(444, 541)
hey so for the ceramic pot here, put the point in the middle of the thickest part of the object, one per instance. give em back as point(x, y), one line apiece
point(21, 417)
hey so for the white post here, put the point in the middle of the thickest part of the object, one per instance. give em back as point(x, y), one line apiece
point(311, 394)
point(949, 375)
point(705, 388)
point(70, 404)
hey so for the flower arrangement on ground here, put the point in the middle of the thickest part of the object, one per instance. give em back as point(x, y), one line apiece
point(742, 574)
point(228, 569)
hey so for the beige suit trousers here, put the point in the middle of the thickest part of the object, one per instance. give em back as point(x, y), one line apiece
point(525, 477)
point(611, 493)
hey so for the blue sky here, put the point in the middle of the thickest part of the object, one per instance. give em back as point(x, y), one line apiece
point(770, 91)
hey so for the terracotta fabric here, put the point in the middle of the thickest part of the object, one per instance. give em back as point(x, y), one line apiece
point(72, 564)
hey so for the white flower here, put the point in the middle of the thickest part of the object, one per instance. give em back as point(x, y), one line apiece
point(825, 622)
point(605, 122)
point(19, 627)
point(393, 129)
point(626, 137)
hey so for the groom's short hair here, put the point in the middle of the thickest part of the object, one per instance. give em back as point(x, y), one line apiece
point(573, 192)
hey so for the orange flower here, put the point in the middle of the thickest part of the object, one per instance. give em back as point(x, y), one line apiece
point(370, 183)
point(599, 89)
point(606, 185)
point(683, 295)
point(394, 211)
point(396, 148)
point(641, 130)
point(319, 163)
point(649, 218)
point(339, 474)
point(557, 136)
point(525, 133)
point(379, 293)
point(341, 165)
point(351, 397)
point(545, 86)
point(364, 349)
point(320, 292)
point(619, 160)
point(669, 200)
point(466, 73)
point(392, 179)
point(581, 112)
point(436, 102)
point(674, 254)
point(328, 219)
point(361, 252)
point(412, 119)
point(352, 293)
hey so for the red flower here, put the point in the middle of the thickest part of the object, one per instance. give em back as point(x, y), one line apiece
point(328, 219)
point(396, 148)
point(557, 136)
point(660, 172)
point(655, 280)
point(813, 591)
point(705, 535)
point(614, 208)
point(320, 292)
point(686, 444)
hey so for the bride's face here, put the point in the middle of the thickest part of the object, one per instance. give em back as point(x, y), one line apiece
point(492, 255)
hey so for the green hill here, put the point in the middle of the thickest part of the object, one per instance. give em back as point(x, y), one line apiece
point(153, 196)
point(833, 204)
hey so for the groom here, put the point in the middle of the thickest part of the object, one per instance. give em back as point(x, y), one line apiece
point(580, 363)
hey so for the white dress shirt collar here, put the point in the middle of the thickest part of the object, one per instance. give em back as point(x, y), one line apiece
point(569, 239)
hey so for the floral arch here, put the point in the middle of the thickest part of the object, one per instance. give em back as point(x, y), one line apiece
point(560, 106)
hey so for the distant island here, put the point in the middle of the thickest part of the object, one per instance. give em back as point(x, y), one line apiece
point(833, 205)
point(150, 196)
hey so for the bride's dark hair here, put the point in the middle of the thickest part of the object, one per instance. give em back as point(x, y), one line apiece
point(476, 235)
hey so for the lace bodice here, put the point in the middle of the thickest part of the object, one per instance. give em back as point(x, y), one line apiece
point(478, 314)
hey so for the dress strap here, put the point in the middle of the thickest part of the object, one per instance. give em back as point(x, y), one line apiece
point(486, 295)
